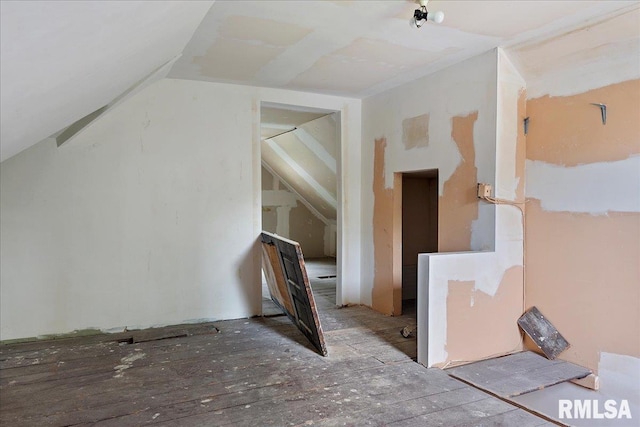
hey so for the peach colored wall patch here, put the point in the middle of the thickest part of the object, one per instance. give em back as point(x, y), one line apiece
point(458, 204)
point(569, 131)
point(582, 253)
point(471, 313)
point(582, 273)
point(382, 293)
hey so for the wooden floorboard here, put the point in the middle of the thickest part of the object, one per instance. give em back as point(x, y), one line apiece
point(252, 372)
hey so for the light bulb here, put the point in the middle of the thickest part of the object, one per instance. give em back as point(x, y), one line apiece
point(436, 17)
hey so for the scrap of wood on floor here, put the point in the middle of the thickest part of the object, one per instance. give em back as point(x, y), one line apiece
point(517, 374)
point(289, 286)
point(543, 333)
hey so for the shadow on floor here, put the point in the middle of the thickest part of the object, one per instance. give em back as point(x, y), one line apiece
point(358, 328)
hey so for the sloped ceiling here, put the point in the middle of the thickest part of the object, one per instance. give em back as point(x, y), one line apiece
point(305, 158)
point(360, 48)
point(62, 60)
point(276, 120)
point(607, 45)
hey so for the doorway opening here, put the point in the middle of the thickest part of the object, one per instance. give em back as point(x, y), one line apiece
point(300, 157)
point(419, 228)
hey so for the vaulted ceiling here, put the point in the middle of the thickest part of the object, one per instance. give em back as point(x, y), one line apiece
point(300, 147)
point(61, 61)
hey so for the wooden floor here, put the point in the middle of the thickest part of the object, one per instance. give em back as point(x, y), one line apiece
point(253, 372)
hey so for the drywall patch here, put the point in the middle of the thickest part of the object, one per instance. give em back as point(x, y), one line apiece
point(260, 30)
point(360, 65)
point(471, 311)
point(592, 262)
point(242, 67)
point(458, 205)
point(247, 48)
point(569, 131)
point(511, 20)
point(382, 292)
point(577, 61)
point(415, 132)
point(596, 188)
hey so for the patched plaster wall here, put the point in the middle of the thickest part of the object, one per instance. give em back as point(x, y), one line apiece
point(583, 217)
point(473, 123)
point(468, 88)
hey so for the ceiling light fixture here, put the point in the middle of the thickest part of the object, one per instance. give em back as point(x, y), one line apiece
point(422, 15)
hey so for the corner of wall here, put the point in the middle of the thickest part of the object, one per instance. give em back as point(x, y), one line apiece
point(472, 291)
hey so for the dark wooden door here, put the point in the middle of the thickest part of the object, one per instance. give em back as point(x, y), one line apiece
point(296, 292)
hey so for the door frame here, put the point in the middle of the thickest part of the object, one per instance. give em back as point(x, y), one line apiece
point(397, 239)
point(344, 260)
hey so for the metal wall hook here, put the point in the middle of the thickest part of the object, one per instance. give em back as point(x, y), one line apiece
point(603, 112)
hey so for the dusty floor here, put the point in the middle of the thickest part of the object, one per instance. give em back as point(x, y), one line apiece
point(253, 372)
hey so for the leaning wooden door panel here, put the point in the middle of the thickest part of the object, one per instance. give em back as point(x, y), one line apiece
point(278, 289)
point(289, 269)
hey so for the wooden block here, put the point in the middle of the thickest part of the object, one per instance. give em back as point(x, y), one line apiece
point(591, 381)
point(543, 333)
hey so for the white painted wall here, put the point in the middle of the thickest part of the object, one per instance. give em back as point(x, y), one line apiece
point(150, 216)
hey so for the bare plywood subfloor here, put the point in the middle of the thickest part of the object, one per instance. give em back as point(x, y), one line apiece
point(253, 372)
point(517, 374)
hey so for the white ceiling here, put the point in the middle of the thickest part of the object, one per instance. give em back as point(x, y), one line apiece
point(62, 60)
point(305, 157)
point(277, 120)
point(360, 48)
